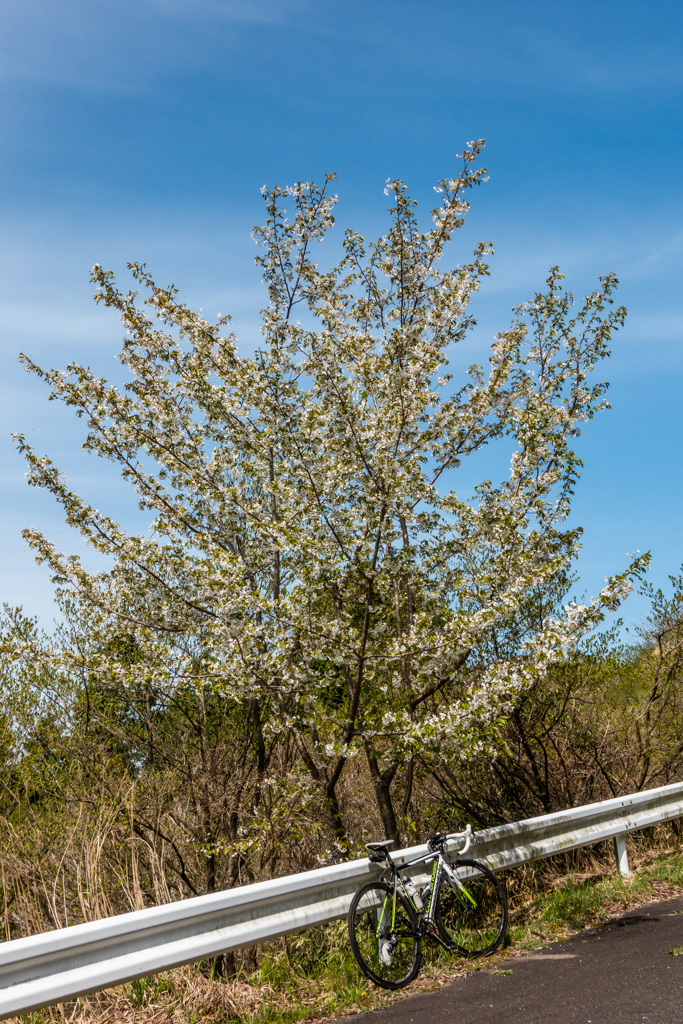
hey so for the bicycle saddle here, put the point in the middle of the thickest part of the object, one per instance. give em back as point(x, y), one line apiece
point(379, 846)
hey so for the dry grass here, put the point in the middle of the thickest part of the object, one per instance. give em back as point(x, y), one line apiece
point(312, 977)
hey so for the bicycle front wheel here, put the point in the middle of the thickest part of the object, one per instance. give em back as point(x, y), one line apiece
point(384, 936)
point(471, 917)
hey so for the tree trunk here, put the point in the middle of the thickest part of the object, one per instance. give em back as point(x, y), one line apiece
point(382, 783)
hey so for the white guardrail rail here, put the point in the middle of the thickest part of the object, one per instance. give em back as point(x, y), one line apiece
point(56, 966)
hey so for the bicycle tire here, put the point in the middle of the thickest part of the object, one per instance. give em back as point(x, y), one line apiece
point(387, 947)
point(473, 923)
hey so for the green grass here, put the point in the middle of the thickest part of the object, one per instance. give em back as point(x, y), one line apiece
point(664, 869)
point(146, 991)
point(572, 904)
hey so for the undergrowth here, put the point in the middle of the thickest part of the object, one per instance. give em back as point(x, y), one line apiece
point(312, 976)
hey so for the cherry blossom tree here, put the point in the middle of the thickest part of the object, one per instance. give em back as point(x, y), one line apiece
point(312, 552)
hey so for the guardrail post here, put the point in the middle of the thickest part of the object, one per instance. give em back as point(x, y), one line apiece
point(621, 855)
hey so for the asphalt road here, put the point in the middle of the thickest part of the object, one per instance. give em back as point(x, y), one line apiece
point(620, 973)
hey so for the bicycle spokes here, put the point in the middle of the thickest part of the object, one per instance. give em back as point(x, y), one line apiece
point(472, 918)
point(384, 936)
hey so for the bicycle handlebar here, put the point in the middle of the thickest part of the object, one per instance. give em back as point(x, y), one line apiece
point(380, 855)
point(466, 835)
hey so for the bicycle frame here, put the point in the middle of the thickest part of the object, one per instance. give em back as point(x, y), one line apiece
point(440, 867)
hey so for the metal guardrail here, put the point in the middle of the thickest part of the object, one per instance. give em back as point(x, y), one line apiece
point(53, 967)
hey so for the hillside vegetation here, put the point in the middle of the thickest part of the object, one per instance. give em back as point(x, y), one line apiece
point(113, 801)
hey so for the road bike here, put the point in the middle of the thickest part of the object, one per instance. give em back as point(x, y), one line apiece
point(463, 908)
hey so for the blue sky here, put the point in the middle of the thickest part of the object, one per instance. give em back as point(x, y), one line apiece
point(144, 130)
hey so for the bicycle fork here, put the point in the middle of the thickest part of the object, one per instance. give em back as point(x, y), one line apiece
point(457, 885)
point(385, 947)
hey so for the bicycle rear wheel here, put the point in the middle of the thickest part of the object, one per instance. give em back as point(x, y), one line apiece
point(472, 920)
point(384, 937)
